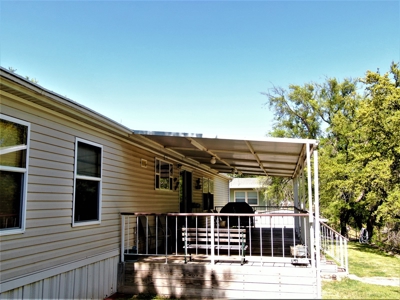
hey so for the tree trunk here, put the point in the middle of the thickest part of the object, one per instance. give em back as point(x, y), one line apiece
point(370, 225)
point(344, 219)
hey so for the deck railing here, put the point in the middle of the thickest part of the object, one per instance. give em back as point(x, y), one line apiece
point(269, 236)
point(264, 208)
point(335, 245)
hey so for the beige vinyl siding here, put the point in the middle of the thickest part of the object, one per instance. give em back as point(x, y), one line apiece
point(221, 191)
point(49, 239)
point(221, 188)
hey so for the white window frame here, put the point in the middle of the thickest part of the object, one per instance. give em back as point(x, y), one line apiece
point(99, 179)
point(24, 171)
point(246, 196)
point(158, 173)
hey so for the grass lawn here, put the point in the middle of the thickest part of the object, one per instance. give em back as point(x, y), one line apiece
point(368, 261)
point(365, 261)
point(353, 289)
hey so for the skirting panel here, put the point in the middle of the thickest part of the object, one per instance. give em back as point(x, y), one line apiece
point(96, 280)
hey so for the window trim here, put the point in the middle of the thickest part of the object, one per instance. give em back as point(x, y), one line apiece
point(84, 177)
point(24, 171)
point(170, 178)
point(246, 196)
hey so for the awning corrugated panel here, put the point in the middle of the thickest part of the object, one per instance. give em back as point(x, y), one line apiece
point(280, 157)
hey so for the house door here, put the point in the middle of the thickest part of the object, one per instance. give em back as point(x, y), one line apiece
point(185, 192)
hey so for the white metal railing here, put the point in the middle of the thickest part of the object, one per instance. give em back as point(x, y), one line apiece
point(335, 245)
point(268, 235)
point(265, 208)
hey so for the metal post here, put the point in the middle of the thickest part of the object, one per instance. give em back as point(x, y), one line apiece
point(310, 209)
point(283, 238)
point(176, 235)
point(122, 237)
point(166, 239)
point(294, 238)
point(156, 235)
point(341, 253)
point(317, 224)
point(346, 257)
point(212, 240)
point(250, 230)
point(239, 231)
point(186, 234)
point(296, 200)
point(206, 236)
point(272, 237)
point(147, 235)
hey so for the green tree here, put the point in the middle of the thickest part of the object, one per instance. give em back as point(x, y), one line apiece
point(33, 80)
point(322, 111)
point(377, 149)
point(305, 111)
point(359, 145)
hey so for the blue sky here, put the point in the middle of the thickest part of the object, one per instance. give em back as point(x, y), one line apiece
point(193, 66)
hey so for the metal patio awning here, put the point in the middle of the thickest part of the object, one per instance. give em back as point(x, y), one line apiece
point(281, 157)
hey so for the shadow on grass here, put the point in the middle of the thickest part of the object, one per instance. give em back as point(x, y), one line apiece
point(368, 248)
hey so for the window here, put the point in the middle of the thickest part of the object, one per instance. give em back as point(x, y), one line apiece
point(164, 173)
point(14, 155)
point(250, 197)
point(88, 179)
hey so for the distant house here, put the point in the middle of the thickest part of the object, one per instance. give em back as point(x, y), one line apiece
point(247, 190)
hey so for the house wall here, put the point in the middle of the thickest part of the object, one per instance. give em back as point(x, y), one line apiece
point(50, 246)
point(221, 192)
point(221, 189)
point(261, 199)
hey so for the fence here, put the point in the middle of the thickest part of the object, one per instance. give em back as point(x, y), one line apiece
point(269, 236)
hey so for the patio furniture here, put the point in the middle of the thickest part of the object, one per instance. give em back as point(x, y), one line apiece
point(225, 240)
point(237, 208)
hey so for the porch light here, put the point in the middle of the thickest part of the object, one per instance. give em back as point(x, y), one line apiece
point(213, 160)
point(198, 184)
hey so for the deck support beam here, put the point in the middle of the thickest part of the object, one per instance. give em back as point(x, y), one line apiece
point(310, 207)
point(317, 224)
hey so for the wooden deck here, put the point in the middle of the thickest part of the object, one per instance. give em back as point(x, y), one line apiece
point(268, 272)
point(223, 280)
